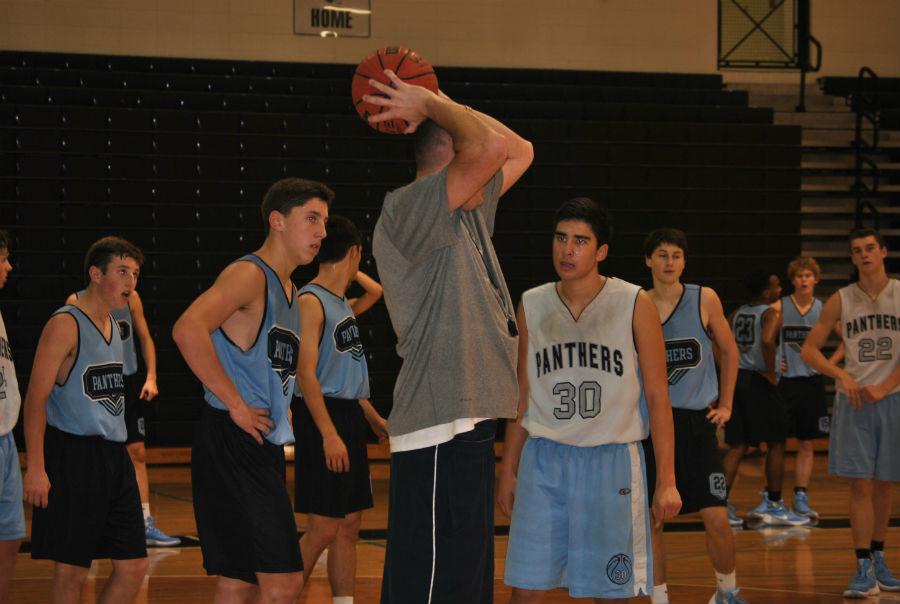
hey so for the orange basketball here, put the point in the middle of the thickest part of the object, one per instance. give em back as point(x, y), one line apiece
point(409, 67)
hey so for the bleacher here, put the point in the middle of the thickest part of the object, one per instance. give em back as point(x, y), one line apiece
point(176, 154)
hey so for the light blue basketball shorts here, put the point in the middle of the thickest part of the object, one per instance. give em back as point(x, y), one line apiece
point(581, 521)
point(865, 443)
point(12, 514)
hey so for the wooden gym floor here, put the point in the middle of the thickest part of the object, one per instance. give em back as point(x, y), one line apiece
point(774, 565)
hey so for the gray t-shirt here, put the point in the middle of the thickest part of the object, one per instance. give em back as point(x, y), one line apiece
point(449, 306)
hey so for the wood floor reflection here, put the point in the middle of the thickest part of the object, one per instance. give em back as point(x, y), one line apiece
point(796, 565)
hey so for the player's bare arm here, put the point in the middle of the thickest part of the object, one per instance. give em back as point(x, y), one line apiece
point(148, 347)
point(519, 154)
point(234, 303)
point(479, 150)
point(312, 320)
point(811, 353)
point(516, 435)
point(771, 325)
point(729, 357)
point(373, 292)
point(53, 359)
point(651, 349)
point(376, 422)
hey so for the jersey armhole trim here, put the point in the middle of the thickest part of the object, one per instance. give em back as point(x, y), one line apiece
point(77, 348)
point(322, 305)
point(262, 319)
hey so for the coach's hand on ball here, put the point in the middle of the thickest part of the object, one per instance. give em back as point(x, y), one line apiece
point(666, 504)
point(336, 457)
point(401, 100)
point(37, 487)
point(252, 420)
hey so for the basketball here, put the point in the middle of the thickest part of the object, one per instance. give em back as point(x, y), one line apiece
point(409, 67)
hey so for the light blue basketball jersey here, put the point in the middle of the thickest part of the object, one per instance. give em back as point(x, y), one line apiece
point(126, 331)
point(690, 363)
point(747, 327)
point(265, 373)
point(92, 399)
point(794, 329)
point(341, 370)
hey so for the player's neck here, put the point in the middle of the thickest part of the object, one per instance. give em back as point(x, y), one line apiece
point(801, 299)
point(333, 277)
point(278, 259)
point(872, 284)
point(667, 292)
point(577, 293)
point(94, 307)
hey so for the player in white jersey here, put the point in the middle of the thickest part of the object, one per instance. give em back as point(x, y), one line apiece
point(588, 345)
point(866, 413)
point(12, 517)
point(801, 387)
point(693, 322)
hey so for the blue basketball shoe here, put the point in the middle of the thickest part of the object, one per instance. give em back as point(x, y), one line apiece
point(864, 583)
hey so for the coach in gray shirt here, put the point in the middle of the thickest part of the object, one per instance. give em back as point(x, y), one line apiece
point(456, 333)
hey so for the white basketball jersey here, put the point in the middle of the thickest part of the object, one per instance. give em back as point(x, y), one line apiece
point(871, 333)
point(584, 386)
point(10, 399)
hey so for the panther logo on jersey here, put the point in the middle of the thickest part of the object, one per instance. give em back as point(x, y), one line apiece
point(794, 336)
point(283, 349)
point(681, 356)
point(105, 384)
point(618, 569)
point(124, 329)
point(346, 337)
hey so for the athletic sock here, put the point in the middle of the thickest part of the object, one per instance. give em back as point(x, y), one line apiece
point(863, 554)
point(799, 489)
point(146, 508)
point(660, 594)
point(726, 583)
point(342, 600)
point(877, 546)
point(774, 496)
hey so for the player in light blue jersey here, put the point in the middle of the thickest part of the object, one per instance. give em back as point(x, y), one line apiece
point(241, 339)
point(759, 415)
point(332, 467)
point(802, 388)
point(80, 479)
point(592, 381)
point(692, 322)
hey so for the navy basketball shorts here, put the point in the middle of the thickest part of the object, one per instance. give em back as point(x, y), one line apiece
point(134, 409)
point(805, 406)
point(94, 507)
point(440, 546)
point(241, 505)
point(317, 489)
point(758, 414)
point(699, 475)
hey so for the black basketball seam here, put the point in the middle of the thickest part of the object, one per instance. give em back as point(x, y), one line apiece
point(362, 75)
point(400, 64)
point(419, 75)
point(380, 62)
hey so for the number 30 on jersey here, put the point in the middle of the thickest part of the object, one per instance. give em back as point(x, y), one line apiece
point(584, 400)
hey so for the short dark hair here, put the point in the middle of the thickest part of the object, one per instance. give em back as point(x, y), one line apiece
point(430, 142)
point(5, 240)
point(658, 237)
point(757, 281)
point(342, 235)
point(289, 193)
point(863, 233)
point(585, 209)
point(102, 251)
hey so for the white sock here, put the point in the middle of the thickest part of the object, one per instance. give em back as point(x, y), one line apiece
point(660, 594)
point(342, 600)
point(146, 508)
point(726, 582)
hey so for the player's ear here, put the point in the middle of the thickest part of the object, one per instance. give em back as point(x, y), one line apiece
point(276, 221)
point(648, 261)
point(602, 252)
point(95, 273)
